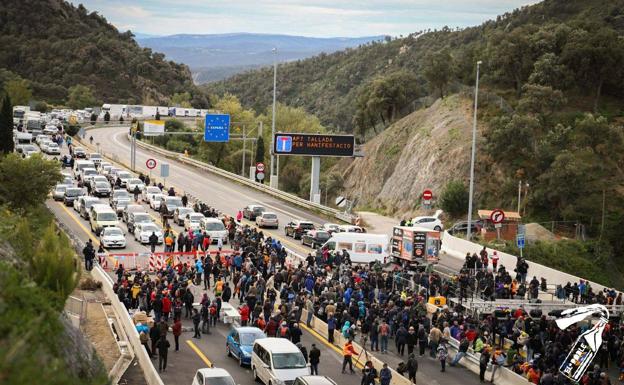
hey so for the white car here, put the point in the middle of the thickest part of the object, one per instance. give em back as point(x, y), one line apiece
point(156, 200)
point(213, 376)
point(429, 222)
point(267, 219)
point(41, 138)
point(99, 178)
point(87, 174)
point(331, 227)
point(59, 191)
point(53, 149)
point(193, 221)
point(119, 194)
point(50, 129)
point(124, 176)
point(148, 191)
point(112, 237)
point(215, 229)
point(134, 182)
point(142, 232)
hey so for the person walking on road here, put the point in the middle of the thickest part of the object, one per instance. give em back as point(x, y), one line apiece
point(196, 318)
point(347, 352)
point(136, 192)
point(422, 339)
point(163, 350)
point(384, 333)
point(442, 352)
point(177, 332)
point(385, 375)
point(89, 255)
point(412, 367)
point(315, 359)
point(153, 241)
point(401, 340)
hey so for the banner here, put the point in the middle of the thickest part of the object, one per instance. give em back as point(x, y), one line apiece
point(153, 127)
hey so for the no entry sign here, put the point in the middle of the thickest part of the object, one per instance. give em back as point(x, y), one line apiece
point(150, 163)
point(497, 216)
point(427, 195)
point(259, 167)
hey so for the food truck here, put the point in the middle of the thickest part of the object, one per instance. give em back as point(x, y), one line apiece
point(415, 245)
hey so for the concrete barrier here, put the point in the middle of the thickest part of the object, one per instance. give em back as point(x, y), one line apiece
point(457, 248)
point(149, 371)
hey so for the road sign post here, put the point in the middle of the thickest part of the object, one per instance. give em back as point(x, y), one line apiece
point(427, 196)
point(260, 171)
point(164, 172)
point(497, 217)
point(520, 242)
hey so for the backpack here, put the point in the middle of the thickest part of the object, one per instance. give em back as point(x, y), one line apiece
point(283, 331)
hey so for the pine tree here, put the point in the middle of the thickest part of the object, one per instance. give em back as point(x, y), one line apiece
point(6, 126)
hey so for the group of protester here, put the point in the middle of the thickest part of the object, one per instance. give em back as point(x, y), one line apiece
point(375, 303)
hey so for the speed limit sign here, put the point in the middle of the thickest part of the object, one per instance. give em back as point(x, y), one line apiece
point(150, 163)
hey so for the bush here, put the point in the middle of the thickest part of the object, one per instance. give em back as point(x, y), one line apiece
point(72, 130)
point(41, 107)
point(90, 284)
point(454, 198)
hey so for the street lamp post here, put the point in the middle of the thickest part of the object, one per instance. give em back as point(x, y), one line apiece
point(472, 155)
point(272, 181)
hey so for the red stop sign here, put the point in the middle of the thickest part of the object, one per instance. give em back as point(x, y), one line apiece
point(427, 195)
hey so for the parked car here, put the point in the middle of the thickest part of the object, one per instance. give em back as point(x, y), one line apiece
point(53, 149)
point(111, 237)
point(80, 153)
point(132, 208)
point(252, 211)
point(314, 380)
point(331, 227)
point(156, 200)
point(239, 343)
point(59, 191)
point(214, 228)
point(267, 219)
point(297, 227)
point(179, 215)
point(142, 232)
point(193, 221)
point(71, 194)
point(134, 182)
point(101, 189)
point(120, 205)
point(213, 376)
point(119, 194)
point(83, 205)
point(462, 226)
point(171, 204)
point(432, 222)
point(148, 191)
point(315, 238)
point(137, 217)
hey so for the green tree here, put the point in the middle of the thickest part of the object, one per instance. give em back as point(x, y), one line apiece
point(438, 71)
point(26, 183)
point(181, 100)
point(510, 56)
point(19, 91)
point(53, 263)
point(41, 107)
point(81, 96)
point(540, 100)
point(548, 71)
point(260, 150)
point(454, 198)
point(6, 126)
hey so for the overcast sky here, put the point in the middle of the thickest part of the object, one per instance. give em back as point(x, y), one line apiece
point(297, 17)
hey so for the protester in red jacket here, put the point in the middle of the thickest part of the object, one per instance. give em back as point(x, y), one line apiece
point(244, 313)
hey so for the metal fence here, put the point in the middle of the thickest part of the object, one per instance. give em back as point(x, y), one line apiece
point(76, 307)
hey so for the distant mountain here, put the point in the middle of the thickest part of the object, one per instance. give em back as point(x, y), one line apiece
point(218, 56)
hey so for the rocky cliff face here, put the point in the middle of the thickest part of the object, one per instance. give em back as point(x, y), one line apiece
point(424, 150)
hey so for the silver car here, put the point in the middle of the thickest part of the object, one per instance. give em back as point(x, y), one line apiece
point(59, 191)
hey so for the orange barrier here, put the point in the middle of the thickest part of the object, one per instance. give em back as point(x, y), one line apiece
point(154, 261)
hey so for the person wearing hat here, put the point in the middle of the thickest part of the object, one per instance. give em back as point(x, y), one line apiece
point(315, 359)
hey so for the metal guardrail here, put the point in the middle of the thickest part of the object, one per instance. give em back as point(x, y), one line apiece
point(76, 307)
point(247, 182)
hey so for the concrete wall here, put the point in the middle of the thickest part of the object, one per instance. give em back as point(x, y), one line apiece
point(149, 371)
point(457, 248)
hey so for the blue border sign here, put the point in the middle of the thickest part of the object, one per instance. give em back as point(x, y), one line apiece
point(217, 128)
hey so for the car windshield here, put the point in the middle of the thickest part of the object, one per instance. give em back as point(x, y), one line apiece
point(107, 217)
point(138, 218)
point(124, 175)
point(173, 201)
point(150, 228)
point(153, 190)
point(214, 226)
point(258, 209)
point(122, 203)
point(219, 381)
point(322, 235)
point(90, 202)
point(195, 218)
point(249, 338)
point(269, 216)
point(112, 231)
point(120, 193)
point(305, 225)
point(135, 181)
point(61, 188)
point(288, 360)
point(95, 156)
point(73, 192)
point(101, 185)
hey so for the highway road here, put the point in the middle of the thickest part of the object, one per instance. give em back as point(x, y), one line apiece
point(229, 197)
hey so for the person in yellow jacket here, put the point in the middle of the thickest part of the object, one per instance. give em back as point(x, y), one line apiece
point(219, 287)
point(347, 352)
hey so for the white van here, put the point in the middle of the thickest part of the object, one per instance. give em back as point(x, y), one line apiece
point(362, 247)
point(81, 165)
point(101, 216)
point(215, 229)
point(277, 361)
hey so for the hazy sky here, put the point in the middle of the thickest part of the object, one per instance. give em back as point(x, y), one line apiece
point(297, 17)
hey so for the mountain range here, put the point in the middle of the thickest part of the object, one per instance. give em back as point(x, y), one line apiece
point(217, 56)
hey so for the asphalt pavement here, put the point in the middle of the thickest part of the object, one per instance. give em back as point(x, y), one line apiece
point(229, 197)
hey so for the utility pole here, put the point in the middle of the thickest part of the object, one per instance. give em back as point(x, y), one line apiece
point(519, 194)
point(472, 155)
point(273, 181)
point(244, 149)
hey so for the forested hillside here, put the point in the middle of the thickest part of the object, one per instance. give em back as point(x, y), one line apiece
point(55, 46)
point(364, 89)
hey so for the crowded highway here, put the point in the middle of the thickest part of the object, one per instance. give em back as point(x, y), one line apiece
point(226, 199)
